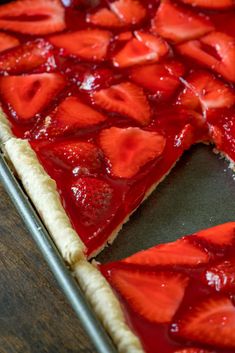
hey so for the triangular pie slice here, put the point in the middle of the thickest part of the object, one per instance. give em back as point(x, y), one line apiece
point(180, 294)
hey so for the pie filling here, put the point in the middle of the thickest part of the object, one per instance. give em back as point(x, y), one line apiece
point(110, 95)
point(179, 297)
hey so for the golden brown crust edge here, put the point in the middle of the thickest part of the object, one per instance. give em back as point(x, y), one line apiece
point(107, 307)
point(43, 192)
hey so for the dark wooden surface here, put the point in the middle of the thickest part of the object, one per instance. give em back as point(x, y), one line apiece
point(34, 314)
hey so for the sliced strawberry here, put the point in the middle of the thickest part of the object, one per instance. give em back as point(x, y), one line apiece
point(215, 50)
point(152, 42)
point(155, 296)
point(70, 115)
point(26, 57)
point(128, 11)
point(211, 4)
point(223, 234)
point(160, 79)
point(33, 17)
point(180, 252)
point(144, 48)
point(104, 18)
point(93, 198)
point(192, 350)
point(28, 95)
point(73, 111)
point(194, 50)
point(129, 149)
point(91, 44)
point(224, 46)
point(84, 156)
point(126, 99)
point(221, 276)
point(178, 24)
point(7, 41)
point(210, 322)
point(203, 89)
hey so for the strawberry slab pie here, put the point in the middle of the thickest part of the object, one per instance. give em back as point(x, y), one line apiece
point(99, 100)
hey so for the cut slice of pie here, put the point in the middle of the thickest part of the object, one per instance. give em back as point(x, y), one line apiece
point(109, 98)
point(176, 297)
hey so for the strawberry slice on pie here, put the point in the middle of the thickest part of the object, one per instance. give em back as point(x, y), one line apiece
point(129, 149)
point(27, 57)
point(215, 51)
point(178, 24)
point(170, 254)
point(28, 95)
point(142, 48)
point(126, 99)
point(33, 17)
point(129, 12)
point(221, 235)
point(219, 313)
point(90, 44)
point(79, 156)
point(160, 79)
point(156, 297)
point(94, 199)
point(204, 90)
point(71, 115)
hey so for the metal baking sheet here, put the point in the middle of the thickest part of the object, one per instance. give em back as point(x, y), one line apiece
point(71, 289)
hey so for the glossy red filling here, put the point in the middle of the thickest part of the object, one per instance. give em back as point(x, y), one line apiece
point(193, 326)
point(165, 114)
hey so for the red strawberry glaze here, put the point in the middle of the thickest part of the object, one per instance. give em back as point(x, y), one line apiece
point(200, 291)
point(86, 74)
